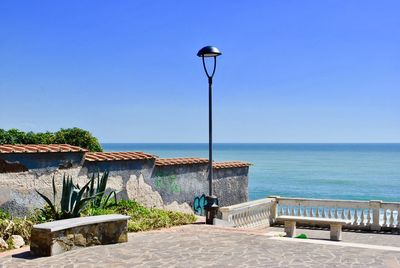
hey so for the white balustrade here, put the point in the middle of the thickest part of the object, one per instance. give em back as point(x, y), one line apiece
point(371, 215)
point(253, 214)
point(363, 215)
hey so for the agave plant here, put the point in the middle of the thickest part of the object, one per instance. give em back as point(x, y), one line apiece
point(73, 199)
point(100, 200)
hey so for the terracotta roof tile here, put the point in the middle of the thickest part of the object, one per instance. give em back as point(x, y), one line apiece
point(112, 156)
point(180, 161)
point(233, 164)
point(191, 161)
point(39, 148)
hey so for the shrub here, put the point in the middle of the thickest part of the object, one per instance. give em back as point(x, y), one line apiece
point(16, 226)
point(4, 215)
point(73, 136)
point(143, 219)
point(78, 137)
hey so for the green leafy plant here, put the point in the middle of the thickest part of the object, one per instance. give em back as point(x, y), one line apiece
point(72, 201)
point(73, 136)
point(142, 218)
point(78, 137)
point(4, 215)
point(101, 200)
point(16, 226)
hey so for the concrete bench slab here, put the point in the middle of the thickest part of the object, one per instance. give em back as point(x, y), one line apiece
point(55, 237)
point(335, 225)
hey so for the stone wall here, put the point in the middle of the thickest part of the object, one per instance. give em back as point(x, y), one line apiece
point(231, 185)
point(169, 186)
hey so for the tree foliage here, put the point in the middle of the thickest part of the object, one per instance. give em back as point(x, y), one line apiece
point(73, 136)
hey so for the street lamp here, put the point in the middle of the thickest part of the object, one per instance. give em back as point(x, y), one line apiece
point(211, 207)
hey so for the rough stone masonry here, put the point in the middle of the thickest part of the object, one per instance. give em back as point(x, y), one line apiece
point(171, 183)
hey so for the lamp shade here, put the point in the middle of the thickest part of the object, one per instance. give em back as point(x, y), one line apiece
point(209, 51)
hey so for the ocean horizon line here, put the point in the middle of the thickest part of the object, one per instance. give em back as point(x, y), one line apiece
point(251, 143)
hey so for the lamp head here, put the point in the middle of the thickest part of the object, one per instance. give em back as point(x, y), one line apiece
point(209, 51)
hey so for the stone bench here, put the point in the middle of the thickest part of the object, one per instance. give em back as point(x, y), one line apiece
point(55, 237)
point(335, 225)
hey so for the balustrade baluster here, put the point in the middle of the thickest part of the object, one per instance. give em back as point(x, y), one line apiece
point(288, 210)
point(391, 219)
point(369, 217)
point(384, 218)
point(233, 218)
point(239, 219)
point(258, 216)
point(337, 214)
point(247, 220)
point(355, 221)
point(317, 212)
point(323, 213)
point(282, 211)
point(330, 215)
point(343, 216)
point(348, 214)
point(362, 223)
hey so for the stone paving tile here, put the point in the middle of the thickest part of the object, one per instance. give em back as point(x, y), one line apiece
point(382, 239)
point(207, 246)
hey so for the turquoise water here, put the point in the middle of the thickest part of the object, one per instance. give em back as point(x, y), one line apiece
point(340, 171)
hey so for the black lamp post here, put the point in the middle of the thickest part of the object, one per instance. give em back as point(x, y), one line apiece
point(211, 207)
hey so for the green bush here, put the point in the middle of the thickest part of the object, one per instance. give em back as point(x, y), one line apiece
point(16, 226)
point(78, 137)
point(4, 215)
point(73, 136)
point(144, 219)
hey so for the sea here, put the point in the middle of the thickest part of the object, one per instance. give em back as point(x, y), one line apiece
point(333, 171)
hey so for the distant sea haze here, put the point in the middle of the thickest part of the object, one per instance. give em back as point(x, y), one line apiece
point(338, 171)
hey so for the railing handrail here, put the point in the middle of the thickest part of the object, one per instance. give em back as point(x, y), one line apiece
point(323, 200)
point(247, 204)
point(336, 201)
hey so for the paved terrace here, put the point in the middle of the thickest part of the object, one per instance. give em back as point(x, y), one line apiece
point(208, 246)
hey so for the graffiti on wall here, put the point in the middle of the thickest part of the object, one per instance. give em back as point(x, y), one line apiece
point(198, 204)
point(166, 183)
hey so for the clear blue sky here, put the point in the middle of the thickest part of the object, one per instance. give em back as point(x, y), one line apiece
point(291, 71)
